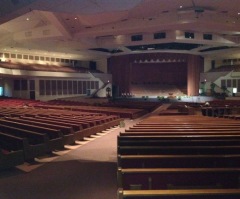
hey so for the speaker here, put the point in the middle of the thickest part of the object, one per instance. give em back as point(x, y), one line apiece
point(92, 65)
point(15, 2)
point(115, 91)
point(213, 64)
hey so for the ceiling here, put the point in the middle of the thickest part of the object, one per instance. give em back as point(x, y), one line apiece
point(78, 28)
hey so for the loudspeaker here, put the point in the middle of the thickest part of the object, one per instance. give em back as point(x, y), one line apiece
point(15, 2)
point(213, 64)
point(92, 65)
point(115, 91)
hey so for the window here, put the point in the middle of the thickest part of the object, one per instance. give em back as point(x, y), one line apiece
point(54, 87)
point(32, 85)
point(6, 55)
point(41, 87)
point(75, 89)
point(24, 85)
point(136, 37)
point(69, 87)
point(223, 83)
point(80, 87)
point(159, 35)
point(16, 85)
point(234, 83)
point(189, 35)
point(65, 92)
point(207, 36)
point(1, 91)
point(19, 56)
point(229, 83)
point(13, 56)
point(48, 87)
point(59, 87)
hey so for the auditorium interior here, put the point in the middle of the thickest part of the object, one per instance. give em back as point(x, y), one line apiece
point(119, 99)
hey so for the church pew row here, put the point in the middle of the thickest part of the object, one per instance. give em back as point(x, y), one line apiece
point(87, 129)
point(178, 161)
point(55, 136)
point(122, 112)
point(178, 178)
point(84, 128)
point(181, 133)
point(182, 129)
point(174, 150)
point(189, 142)
point(67, 132)
point(180, 194)
point(175, 157)
point(206, 125)
point(100, 122)
point(177, 120)
point(11, 154)
point(32, 143)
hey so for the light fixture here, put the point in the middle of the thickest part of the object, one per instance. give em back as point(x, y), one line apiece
point(235, 90)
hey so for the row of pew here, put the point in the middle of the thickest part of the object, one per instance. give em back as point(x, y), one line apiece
point(220, 108)
point(27, 133)
point(121, 112)
point(176, 157)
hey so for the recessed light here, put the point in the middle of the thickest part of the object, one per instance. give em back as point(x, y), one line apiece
point(75, 18)
point(180, 6)
point(27, 19)
point(238, 13)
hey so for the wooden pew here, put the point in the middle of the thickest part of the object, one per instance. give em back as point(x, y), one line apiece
point(174, 150)
point(178, 178)
point(144, 136)
point(189, 133)
point(75, 127)
point(219, 129)
point(188, 142)
point(180, 194)
point(85, 132)
point(178, 161)
point(67, 132)
point(36, 144)
point(55, 136)
point(11, 151)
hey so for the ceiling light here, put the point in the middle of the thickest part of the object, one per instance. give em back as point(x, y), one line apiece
point(75, 18)
point(27, 19)
point(239, 13)
point(180, 6)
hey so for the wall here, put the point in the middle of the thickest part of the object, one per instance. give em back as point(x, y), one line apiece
point(102, 65)
point(9, 90)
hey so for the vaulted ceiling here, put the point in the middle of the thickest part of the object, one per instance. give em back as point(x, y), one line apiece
point(92, 29)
